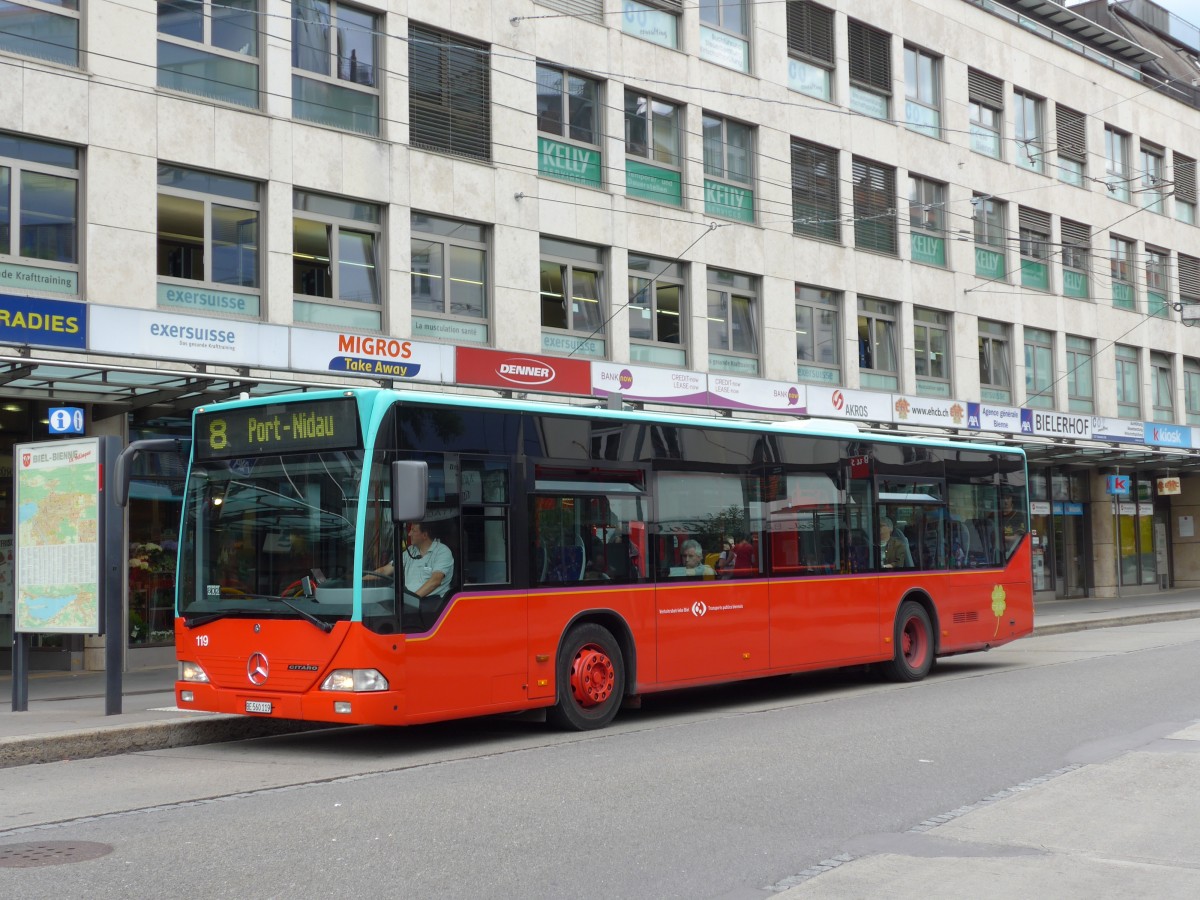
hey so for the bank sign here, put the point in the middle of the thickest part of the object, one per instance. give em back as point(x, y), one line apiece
point(38, 322)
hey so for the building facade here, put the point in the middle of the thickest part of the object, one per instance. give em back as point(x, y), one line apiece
point(791, 208)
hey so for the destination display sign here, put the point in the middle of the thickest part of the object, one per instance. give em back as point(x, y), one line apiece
point(309, 426)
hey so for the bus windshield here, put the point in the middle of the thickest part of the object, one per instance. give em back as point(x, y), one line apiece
point(260, 533)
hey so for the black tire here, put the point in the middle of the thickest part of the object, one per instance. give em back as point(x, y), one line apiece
point(591, 679)
point(912, 637)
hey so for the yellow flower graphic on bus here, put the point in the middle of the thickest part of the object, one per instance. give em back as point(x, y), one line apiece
point(998, 604)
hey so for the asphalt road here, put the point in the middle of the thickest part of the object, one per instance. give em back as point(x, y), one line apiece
point(705, 794)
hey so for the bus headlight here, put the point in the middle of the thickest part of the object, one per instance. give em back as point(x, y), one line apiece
point(190, 671)
point(357, 680)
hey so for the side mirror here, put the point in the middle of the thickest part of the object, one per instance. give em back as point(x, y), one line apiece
point(410, 490)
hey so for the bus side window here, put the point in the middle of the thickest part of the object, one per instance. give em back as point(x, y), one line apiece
point(485, 522)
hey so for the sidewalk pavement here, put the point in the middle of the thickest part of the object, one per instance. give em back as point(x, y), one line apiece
point(65, 716)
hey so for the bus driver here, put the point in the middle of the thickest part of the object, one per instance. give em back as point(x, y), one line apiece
point(428, 564)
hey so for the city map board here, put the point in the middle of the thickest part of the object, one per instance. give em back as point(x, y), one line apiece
point(57, 584)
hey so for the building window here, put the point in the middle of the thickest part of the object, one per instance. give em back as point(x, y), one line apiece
point(931, 344)
point(1161, 389)
point(1184, 168)
point(870, 70)
point(728, 168)
point(656, 21)
point(1191, 391)
point(572, 298)
point(449, 279)
point(1027, 132)
point(988, 215)
point(568, 117)
point(210, 49)
point(657, 311)
point(810, 49)
point(1120, 256)
point(1116, 163)
point(818, 335)
point(1080, 389)
point(1035, 248)
point(207, 235)
point(335, 73)
point(29, 29)
point(1071, 127)
point(927, 220)
point(653, 147)
point(1129, 402)
point(39, 215)
point(335, 261)
point(724, 33)
point(995, 368)
point(1189, 284)
point(878, 362)
point(732, 323)
point(986, 96)
point(816, 201)
point(922, 92)
point(875, 224)
point(1158, 282)
point(1076, 258)
point(449, 94)
point(1039, 368)
point(1152, 184)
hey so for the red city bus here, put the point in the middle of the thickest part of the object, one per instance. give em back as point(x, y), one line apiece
point(570, 558)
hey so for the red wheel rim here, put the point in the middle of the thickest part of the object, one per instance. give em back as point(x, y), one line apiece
point(915, 642)
point(592, 676)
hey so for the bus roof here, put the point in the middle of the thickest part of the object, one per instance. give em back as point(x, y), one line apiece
point(815, 427)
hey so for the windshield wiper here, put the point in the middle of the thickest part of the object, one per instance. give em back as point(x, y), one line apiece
point(205, 618)
point(324, 626)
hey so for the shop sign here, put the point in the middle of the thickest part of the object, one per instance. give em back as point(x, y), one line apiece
point(818, 375)
point(1035, 275)
point(1117, 486)
point(649, 384)
point(989, 417)
point(450, 330)
point(370, 355)
point(808, 79)
point(728, 201)
point(1039, 508)
point(724, 49)
point(652, 25)
point(868, 103)
point(928, 249)
point(924, 411)
point(652, 183)
point(1075, 284)
point(523, 371)
point(1049, 424)
point(1169, 486)
point(1068, 509)
point(1159, 435)
point(569, 161)
point(43, 323)
point(191, 299)
point(840, 403)
point(572, 345)
point(1146, 510)
point(1127, 509)
point(159, 335)
point(1124, 430)
point(733, 392)
point(38, 278)
point(989, 264)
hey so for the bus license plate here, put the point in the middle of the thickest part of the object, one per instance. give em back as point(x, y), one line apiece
point(258, 706)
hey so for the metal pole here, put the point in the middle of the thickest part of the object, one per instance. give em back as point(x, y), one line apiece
point(111, 593)
point(20, 685)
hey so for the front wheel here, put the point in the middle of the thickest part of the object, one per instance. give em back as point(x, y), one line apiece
point(591, 679)
point(913, 639)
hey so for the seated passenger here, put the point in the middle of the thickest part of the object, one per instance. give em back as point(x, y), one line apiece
point(693, 563)
point(893, 548)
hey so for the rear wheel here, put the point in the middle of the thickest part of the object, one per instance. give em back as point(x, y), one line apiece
point(591, 679)
point(913, 639)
